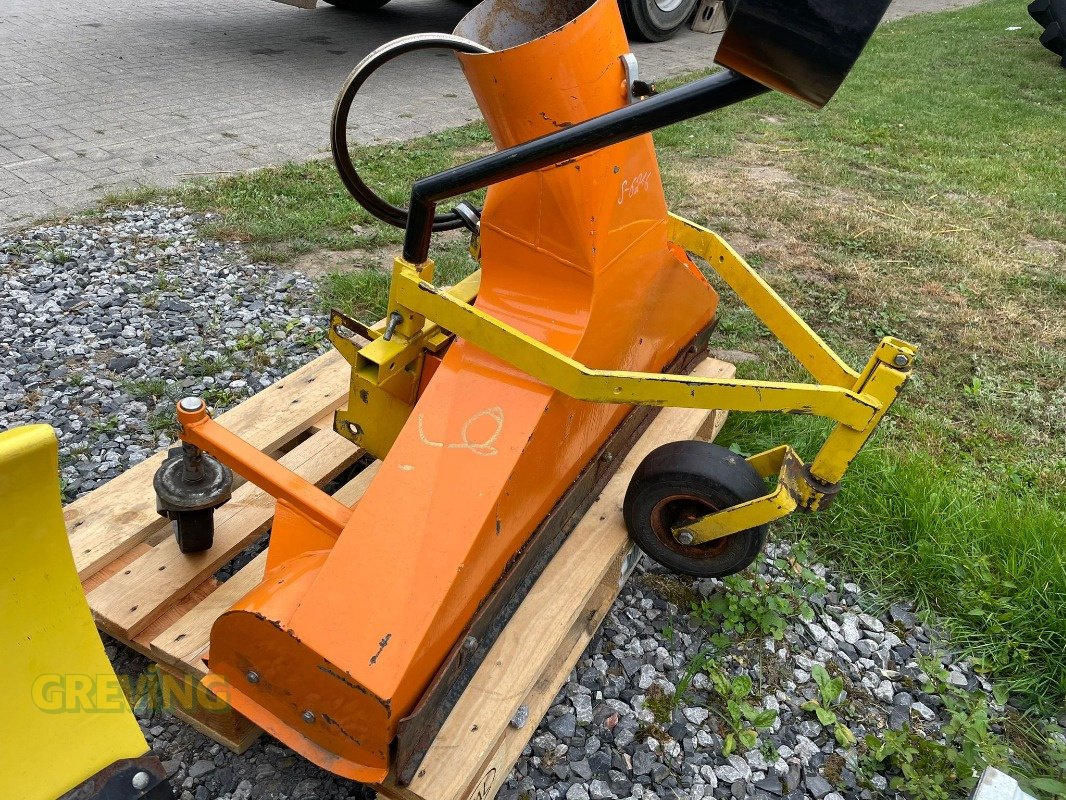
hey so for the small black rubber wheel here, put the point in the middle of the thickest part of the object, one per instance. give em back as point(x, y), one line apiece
point(194, 531)
point(685, 481)
point(655, 20)
point(358, 5)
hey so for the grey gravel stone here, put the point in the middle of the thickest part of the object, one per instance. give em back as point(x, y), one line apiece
point(601, 790)
point(564, 726)
point(923, 711)
point(817, 785)
point(200, 768)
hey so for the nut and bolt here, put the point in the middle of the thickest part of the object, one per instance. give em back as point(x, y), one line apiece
point(901, 360)
point(686, 537)
point(252, 676)
point(309, 717)
point(141, 781)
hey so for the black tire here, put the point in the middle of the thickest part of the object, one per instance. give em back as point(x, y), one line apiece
point(194, 531)
point(1051, 16)
point(358, 5)
point(692, 479)
point(655, 20)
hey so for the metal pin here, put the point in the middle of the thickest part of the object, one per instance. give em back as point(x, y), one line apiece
point(141, 781)
point(190, 404)
point(395, 318)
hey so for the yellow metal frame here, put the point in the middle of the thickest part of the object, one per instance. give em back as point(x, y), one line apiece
point(423, 316)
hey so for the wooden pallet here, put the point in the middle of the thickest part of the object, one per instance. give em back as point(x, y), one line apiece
point(161, 603)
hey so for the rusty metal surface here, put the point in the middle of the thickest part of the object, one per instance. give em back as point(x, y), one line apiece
point(417, 731)
point(501, 24)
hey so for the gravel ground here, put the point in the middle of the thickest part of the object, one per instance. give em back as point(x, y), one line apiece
point(106, 321)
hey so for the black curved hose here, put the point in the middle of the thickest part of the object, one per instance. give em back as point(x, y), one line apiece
point(338, 134)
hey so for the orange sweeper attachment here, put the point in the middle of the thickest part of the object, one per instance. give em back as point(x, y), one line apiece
point(495, 405)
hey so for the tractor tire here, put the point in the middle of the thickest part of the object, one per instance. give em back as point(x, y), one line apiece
point(655, 20)
point(1051, 16)
point(688, 480)
point(358, 5)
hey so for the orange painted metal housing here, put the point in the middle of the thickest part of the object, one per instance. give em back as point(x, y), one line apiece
point(345, 632)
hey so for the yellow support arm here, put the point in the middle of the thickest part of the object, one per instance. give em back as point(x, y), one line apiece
point(421, 298)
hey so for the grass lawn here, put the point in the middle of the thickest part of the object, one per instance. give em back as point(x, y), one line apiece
point(928, 200)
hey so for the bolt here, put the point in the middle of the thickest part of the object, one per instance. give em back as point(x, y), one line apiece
point(608, 458)
point(686, 537)
point(192, 464)
point(252, 676)
point(470, 643)
point(190, 404)
point(309, 717)
point(141, 781)
point(395, 318)
point(901, 360)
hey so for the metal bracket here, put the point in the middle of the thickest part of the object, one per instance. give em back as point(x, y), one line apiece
point(127, 779)
point(636, 89)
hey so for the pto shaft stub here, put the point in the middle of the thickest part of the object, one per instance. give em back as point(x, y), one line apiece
point(189, 486)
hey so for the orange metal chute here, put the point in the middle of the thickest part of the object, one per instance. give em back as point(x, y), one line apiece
point(342, 637)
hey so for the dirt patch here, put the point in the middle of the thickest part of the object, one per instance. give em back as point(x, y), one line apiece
point(323, 262)
point(472, 152)
point(769, 176)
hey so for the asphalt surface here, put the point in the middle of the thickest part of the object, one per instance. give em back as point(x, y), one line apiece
point(101, 95)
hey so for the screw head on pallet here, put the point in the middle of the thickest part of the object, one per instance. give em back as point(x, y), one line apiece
point(252, 676)
point(686, 537)
point(190, 404)
point(309, 717)
point(141, 781)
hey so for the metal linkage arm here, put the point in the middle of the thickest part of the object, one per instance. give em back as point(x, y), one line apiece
point(699, 97)
point(416, 296)
point(781, 320)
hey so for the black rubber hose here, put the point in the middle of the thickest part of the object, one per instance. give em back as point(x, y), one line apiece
point(338, 136)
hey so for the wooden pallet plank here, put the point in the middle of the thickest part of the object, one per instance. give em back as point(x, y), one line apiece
point(195, 705)
point(469, 744)
point(126, 603)
point(104, 524)
point(184, 642)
